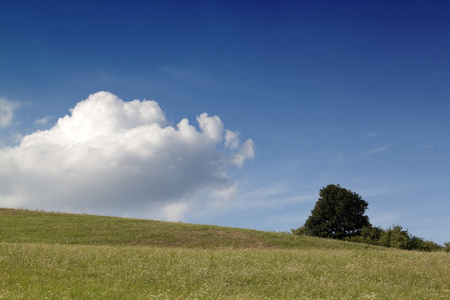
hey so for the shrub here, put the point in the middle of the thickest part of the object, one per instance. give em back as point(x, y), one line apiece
point(447, 247)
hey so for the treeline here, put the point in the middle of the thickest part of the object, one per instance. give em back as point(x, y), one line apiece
point(395, 237)
point(339, 214)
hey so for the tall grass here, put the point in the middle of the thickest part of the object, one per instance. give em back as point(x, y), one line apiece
point(42, 271)
point(35, 265)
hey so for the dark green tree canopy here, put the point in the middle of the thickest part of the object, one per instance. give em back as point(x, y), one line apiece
point(339, 213)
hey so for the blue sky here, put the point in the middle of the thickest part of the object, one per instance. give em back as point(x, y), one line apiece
point(354, 93)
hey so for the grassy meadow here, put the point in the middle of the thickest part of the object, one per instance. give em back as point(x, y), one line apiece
point(67, 256)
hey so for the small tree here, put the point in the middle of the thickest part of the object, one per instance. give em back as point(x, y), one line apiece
point(339, 213)
point(396, 237)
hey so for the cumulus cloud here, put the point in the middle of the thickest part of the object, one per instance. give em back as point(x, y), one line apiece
point(232, 139)
point(122, 158)
point(7, 111)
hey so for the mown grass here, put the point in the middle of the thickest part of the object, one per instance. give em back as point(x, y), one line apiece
point(63, 256)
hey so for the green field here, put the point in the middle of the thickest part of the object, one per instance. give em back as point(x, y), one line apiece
point(67, 256)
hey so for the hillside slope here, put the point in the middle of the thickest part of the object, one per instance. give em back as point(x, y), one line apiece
point(62, 228)
point(68, 256)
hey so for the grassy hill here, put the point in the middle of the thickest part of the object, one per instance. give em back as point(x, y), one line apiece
point(68, 256)
point(61, 228)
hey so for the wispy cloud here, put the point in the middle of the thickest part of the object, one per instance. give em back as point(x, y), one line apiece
point(42, 121)
point(369, 135)
point(7, 108)
point(373, 151)
point(340, 157)
point(275, 194)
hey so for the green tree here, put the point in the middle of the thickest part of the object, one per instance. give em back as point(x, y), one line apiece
point(396, 237)
point(369, 235)
point(339, 214)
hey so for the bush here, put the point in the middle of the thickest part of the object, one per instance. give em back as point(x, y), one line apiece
point(369, 235)
point(447, 247)
point(396, 237)
point(299, 231)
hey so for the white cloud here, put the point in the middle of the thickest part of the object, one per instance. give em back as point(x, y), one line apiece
point(174, 212)
point(225, 194)
point(246, 151)
point(7, 111)
point(211, 126)
point(42, 121)
point(231, 139)
point(115, 157)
